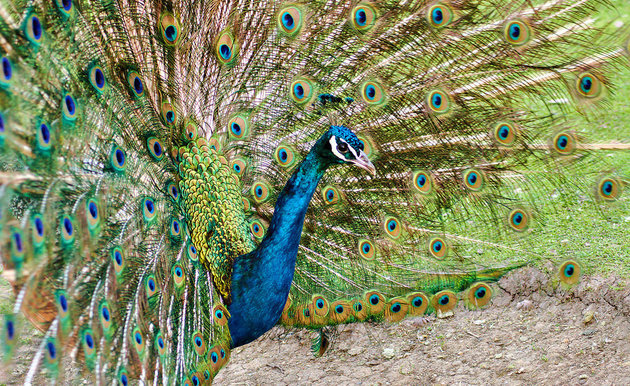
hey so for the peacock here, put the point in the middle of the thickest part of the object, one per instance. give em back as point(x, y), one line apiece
point(176, 178)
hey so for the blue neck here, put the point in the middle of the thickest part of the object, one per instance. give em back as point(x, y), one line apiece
point(261, 279)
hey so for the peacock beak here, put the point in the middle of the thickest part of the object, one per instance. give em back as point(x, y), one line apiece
point(363, 162)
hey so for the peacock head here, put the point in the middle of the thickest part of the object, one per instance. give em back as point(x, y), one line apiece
point(341, 146)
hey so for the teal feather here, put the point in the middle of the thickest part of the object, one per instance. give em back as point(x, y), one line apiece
point(178, 177)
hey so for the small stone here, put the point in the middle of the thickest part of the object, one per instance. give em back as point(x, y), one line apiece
point(583, 376)
point(388, 353)
point(523, 339)
point(355, 351)
point(479, 321)
point(498, 356)
point(588, 317)
point(525, 305)
point(589, 332)
point(521, 370)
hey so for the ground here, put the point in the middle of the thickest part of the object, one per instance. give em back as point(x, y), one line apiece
point(531, 334)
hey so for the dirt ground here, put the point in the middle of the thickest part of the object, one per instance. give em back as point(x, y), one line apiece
point(531, 334)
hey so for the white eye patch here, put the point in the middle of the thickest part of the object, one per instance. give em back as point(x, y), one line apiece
point(333, 145)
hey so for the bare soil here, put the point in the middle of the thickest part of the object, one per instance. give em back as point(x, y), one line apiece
point(532, 333)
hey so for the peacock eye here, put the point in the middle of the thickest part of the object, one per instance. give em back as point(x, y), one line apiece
point(342, 147)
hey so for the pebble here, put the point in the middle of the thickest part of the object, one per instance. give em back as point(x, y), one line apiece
point(388, 353)
point(588, 317)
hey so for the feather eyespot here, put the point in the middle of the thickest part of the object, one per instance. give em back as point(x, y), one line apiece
point(331, 195)
point(44, 138)
point(191, 251)
point(238, 127)
point(518, 220)
point(65, 7)
point(175, 229)
point(150, 286)
point(517, 33)
point(135, 82)
point(302, 91)
point(418, 303)
point(179, 276)
point(9, 331)
point(375, 301)
point(199, 344)
point(221, 314)
point(439, 102)
point(285, 156)
point(226, 48)
point(564, 143)
point(589, 86)
point(123, 378)
point(422, 182)
point(257, 228)
point(474, 180)
point(138, 340)
point(170, 29)
point(117, 159)
point(363, 17)
point(373, 93)
point(396, 309)
point(17, 246)
point(440, 15)
point(341, 311)
point(504, 134)
point(38, 230)
point(88, 342)
point(367, 250)
point(190, 131)
point(97, 78)
point(2, 128)
point(69, 108)
point(6, 72)
point(392, 227)
point(444, 301)
point(34, 30)
point(238, 166)
point(260, 192)
point(609, 189)
point(156, 149)
point(62, 303)
point(92, 214)
point(320, 305)
point(67, 231)
point(118, 259)
point(105, 317)
point(569, 272)
point(160, 344)
point(173, 190)
point(51, 351)
point(478, 295)
point(169, 115)
point(290, 20)
point(149, 210)
point(438, 248)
